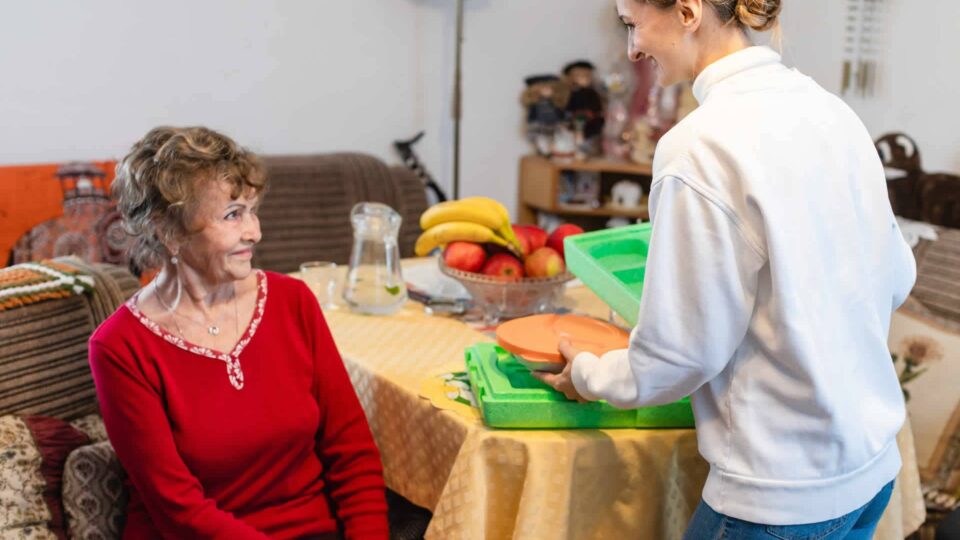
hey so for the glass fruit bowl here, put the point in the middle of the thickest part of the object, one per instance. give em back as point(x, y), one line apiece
point(499, 299)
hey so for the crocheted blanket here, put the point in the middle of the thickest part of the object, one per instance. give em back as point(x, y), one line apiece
point(29, 283)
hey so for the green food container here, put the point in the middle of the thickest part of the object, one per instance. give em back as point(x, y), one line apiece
point(510, 397)
point(612, 263)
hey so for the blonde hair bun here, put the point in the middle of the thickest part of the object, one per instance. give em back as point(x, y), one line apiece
point(760, 15)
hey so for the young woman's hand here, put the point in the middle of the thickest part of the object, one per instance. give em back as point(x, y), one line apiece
point(563, 381)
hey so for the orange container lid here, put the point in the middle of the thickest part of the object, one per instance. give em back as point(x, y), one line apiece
point(537, 337)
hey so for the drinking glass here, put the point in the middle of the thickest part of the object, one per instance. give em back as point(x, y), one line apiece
point(323, 279)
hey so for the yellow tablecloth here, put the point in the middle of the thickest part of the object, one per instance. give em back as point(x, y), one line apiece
point(483, 483)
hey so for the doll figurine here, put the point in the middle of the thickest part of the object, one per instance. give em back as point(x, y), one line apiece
point(585, 105)
point(545, 98)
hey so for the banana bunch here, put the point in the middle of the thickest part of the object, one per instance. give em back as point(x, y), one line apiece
point(474, 219)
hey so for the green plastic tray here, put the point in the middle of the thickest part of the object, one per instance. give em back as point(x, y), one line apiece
point(612, 263)
point(509, 397)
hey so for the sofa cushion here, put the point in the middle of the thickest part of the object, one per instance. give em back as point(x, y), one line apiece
point(94, 495)
point(32, 455)
point(305, 215)
point(91, 426)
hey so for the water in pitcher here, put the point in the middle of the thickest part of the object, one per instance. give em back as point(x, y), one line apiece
point(375, 284)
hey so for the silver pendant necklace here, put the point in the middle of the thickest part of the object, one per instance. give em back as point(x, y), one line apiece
point(212, 329)
point(234, 370)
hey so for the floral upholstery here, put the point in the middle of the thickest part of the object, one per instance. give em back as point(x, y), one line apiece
point(94, 495)
point(91, 426)
point(32, 455)
point(23, 512)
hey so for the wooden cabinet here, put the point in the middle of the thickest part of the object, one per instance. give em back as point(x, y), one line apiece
point(540, 190)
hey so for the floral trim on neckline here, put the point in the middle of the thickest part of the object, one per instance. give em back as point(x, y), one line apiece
point(232, 360)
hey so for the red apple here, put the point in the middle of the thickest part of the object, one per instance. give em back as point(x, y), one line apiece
point(536, 236)
point(556, 237)
point(544, 262)
point(503, 266)
point(523, 239)
point(465, 256)
point(525, 248)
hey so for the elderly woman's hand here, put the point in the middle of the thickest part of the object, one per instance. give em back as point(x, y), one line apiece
point(563, 381)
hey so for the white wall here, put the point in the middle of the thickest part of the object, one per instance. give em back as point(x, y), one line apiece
point(919, 88)
point(507, 41)
point(83, 80)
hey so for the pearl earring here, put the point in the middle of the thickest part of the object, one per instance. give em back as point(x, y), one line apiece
point(174, 260)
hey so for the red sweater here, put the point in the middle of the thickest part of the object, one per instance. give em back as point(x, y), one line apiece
point(287, 455)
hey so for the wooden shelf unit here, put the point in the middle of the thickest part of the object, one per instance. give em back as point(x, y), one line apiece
point(539, 185)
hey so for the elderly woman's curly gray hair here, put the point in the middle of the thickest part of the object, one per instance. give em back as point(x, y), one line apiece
point(158, 182)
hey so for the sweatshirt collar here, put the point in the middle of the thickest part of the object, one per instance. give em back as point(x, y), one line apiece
point(740, 61)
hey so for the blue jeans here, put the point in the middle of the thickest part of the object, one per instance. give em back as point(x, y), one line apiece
point(859, 524)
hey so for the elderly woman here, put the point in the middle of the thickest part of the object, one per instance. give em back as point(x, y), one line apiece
point(220, 386)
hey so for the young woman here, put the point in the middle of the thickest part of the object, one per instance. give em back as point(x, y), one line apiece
point(220, 385)
point(774, 266)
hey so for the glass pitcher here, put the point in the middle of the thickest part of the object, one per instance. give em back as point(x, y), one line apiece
point(374, 284)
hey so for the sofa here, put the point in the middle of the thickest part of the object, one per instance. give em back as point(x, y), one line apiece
point(50, 433)
point(304, 214)
point(59, 476)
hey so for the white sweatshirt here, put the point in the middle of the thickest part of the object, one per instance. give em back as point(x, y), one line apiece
point(774, 267)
